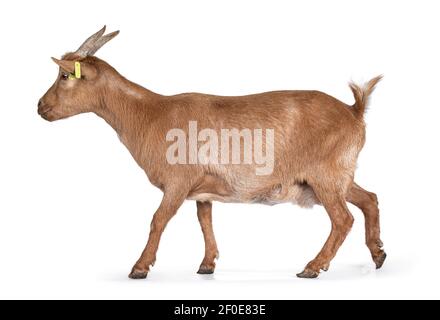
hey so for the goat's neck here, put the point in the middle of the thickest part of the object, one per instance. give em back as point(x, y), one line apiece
point(128, 108)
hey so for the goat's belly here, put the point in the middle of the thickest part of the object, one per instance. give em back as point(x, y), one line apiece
point(204, 197)
point(299, 194)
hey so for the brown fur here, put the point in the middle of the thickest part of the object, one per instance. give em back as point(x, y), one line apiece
point(317, 143)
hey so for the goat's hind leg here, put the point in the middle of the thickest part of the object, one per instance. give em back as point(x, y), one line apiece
point(367, 202)
point(342, 221)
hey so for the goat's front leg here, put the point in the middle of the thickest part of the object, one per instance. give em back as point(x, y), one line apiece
point(204, 213)
point(171, 201)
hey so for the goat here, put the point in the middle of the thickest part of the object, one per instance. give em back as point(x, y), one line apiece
point(316, 143)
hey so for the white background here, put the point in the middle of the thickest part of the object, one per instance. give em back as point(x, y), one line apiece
point(75, 208)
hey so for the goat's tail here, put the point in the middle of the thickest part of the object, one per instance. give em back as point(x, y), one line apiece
point(361, 95)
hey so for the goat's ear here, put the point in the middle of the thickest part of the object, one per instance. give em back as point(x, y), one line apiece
point(88, 70)
point(66, 65)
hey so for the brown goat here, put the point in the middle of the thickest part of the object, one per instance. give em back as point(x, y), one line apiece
point(317, 140)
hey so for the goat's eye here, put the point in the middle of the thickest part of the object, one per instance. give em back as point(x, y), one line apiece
point(64, 76)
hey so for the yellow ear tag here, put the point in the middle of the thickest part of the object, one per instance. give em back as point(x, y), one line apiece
point(77, 70)
point(77, 74)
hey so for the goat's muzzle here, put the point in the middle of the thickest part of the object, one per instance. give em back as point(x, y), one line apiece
point(43, 110)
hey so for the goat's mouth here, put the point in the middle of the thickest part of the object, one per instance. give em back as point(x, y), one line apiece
point(43, 112)
point(46, 114)
point(43, 108)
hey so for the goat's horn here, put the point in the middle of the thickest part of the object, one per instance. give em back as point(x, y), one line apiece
point(102, 41)
point(88, 45)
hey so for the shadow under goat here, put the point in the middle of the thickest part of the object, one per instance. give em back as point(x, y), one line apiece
point(274, 147)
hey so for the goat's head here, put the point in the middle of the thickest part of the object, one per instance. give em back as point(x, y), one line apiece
point(79, 80)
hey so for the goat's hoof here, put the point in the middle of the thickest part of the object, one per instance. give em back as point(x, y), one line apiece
point(325, 267)
point(379, 260)
point(308, 274)
point(205, 269)
point(137, 274)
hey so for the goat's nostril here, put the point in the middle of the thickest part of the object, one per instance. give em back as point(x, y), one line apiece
point(39, 103)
